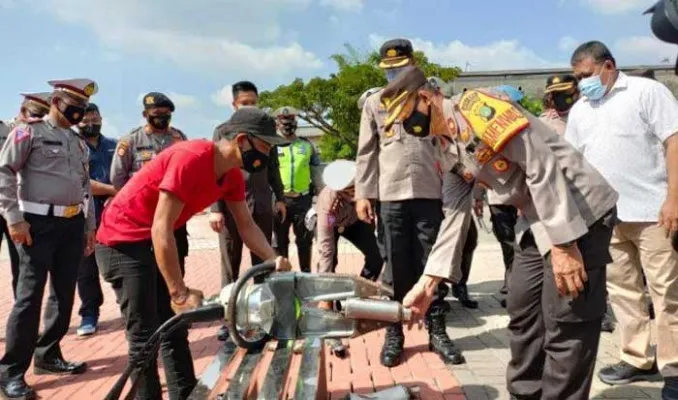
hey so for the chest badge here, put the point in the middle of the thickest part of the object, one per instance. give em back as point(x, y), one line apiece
point(500, 165)
point(484, 154)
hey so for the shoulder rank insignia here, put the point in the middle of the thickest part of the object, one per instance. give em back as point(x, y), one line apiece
point(122, 148)
point(494, 121)
point(484, 154)
point(22, 133)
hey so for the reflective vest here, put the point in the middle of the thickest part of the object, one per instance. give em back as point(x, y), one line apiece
point(295, 166)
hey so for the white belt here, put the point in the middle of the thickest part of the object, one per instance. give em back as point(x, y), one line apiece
point(57, 211)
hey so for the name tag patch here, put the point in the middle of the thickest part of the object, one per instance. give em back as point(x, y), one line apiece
point(493, 120)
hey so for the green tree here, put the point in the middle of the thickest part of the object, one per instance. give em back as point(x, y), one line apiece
point(330, 104)
point(533, 105)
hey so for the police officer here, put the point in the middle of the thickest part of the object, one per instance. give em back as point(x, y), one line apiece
point(51, 218)
point(299, 169)
point(394, 171)
point(101, 151)
point(568, 212)
point(34, 105)
point(260, 186)
point(142, 144)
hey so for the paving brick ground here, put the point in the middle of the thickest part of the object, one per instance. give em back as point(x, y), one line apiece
point(480, 333)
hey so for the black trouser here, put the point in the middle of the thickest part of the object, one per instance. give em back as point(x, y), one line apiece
point(13, 253)
point(181, 238)
point(410, 230)
point(297, 207)
point(89, 288)
point(361, 235)
point(230, 244)
point(58, 245)
point(145, 305)
point(467, 253)
point(554, 339)
point(504, 220)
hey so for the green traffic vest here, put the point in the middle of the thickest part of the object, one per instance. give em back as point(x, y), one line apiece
point(295, 166)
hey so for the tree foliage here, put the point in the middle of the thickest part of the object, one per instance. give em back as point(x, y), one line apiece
point(330, 104)
point(533, 105)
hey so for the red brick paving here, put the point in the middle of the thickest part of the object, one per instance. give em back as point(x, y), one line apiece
point(360, 372)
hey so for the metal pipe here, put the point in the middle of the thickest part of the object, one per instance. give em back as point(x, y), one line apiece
point(376, 310)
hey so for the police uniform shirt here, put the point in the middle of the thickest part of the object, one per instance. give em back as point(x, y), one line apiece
point(393, 165)
point(559, 194)
point(334, 213)
point(4, 132)
point(100, 161)
point(137, 149)
point(52, 165)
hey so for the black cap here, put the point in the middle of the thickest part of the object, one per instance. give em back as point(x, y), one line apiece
point(664, 22)
point(560, 83)
point(255, 122)
point(91, 107)
point(156, 99)
point(395, 53)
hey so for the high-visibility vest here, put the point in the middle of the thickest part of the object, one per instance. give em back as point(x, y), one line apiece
point(295, 165)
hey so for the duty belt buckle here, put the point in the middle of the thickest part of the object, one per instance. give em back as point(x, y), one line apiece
point(71, 211)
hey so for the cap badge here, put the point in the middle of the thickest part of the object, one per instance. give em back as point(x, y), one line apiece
point(150, 100)
point(391, 53)
point(556, 79)
point(89, 89)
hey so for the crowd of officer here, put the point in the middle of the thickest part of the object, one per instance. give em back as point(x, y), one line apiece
point(554, 209)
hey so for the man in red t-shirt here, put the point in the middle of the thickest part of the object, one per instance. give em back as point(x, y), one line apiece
point(136, 236)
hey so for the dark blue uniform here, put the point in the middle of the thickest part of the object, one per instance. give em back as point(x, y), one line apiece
point(89, 286)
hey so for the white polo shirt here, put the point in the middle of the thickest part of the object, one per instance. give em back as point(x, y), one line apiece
point(623, 136)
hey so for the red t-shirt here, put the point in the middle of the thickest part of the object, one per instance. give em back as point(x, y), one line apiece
point(186, 170)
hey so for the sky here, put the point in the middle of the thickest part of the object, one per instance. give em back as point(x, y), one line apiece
point(193, 50)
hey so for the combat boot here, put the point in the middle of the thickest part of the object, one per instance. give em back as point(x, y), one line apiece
point(393, 345)
point(439, 342)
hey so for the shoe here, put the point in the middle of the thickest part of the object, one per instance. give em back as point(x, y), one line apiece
point(439, 342)
point(461, 293)
point(607, 325)
point(623, 373)
point(670, 389)
point(88, 326)
point(393, 346)
point(223, 335)
point(16, 389)
point(58, 366)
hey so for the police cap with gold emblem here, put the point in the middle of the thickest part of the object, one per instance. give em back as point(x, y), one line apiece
point(41, 99)
point(157, 100)
point(560, 83)
point(80, 88)
point(255, 122)
point(395, 53)
point(285, 112)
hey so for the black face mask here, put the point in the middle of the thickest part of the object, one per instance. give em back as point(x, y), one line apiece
point(160, 122)
point(289, 128)
point(253, 160)
point(73, 114)
point(91, 131)
point(563, 102)
point(418, 124)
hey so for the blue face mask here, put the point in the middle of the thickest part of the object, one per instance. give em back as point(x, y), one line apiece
point(391, 73)
point(592, 88)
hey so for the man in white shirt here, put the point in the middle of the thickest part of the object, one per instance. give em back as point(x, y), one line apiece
point(625, 126)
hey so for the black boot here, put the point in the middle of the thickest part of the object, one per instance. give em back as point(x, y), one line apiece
point(607, 325)
point(393, 346)
point(670, 389)
point(16, 389)
point(439, 342)
point(223, 335)
point(461, 293)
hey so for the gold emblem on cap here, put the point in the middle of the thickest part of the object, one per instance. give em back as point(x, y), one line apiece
point(417, 129)
point(556, 80)
point(391, 53)
point(89, 89)
point(150, 100)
